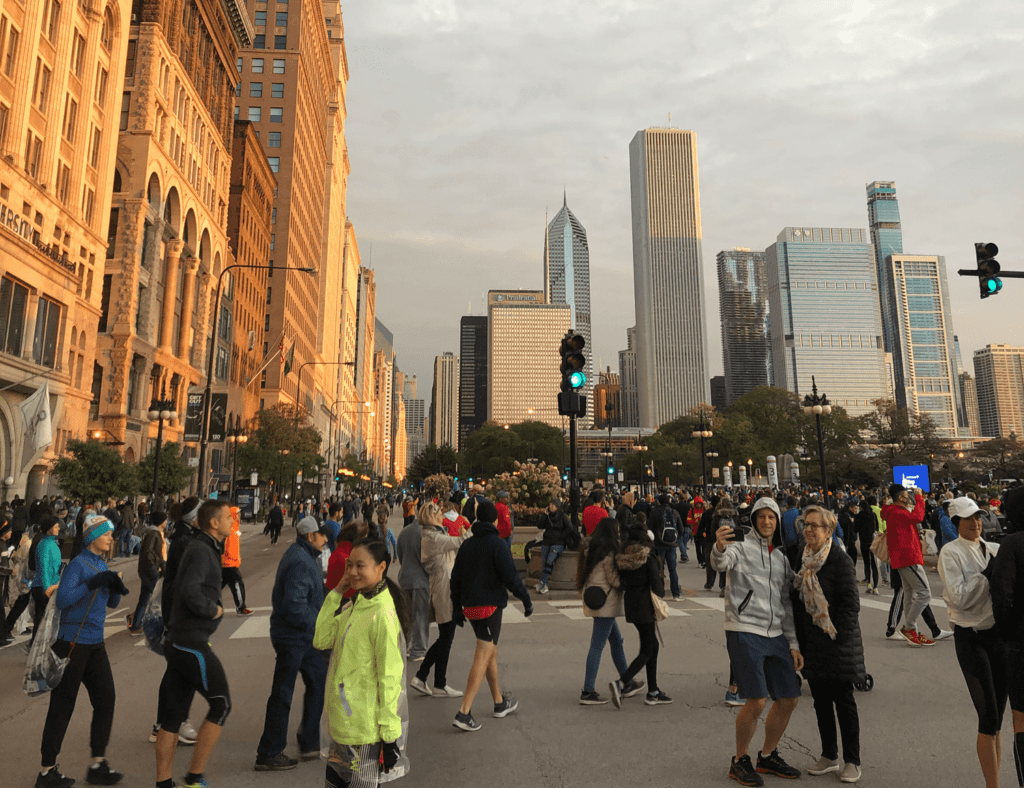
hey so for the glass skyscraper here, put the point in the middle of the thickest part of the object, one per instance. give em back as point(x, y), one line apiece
point(567, 279)
point(887, 237)
point(743, 303)
point(472, 376)
point(923, 350)
point(824, 315)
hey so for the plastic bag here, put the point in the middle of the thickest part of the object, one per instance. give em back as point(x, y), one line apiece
point(928, 543)
point(152, 623)
point(44, 668)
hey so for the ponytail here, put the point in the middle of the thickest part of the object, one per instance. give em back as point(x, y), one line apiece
point(379, 551)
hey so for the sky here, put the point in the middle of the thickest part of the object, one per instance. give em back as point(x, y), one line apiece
point(467, 119)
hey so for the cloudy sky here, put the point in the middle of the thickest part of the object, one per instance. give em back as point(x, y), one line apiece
point(467, 117)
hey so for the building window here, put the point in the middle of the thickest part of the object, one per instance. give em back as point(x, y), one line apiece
point(13, 300)
point(70, 118)
point(254, 114)
point(33, 152)
point(54, 20)
point(277, 114)
point(88, 203)
point(238, 65)
point(126, 99)
point(255, 90)
point(280, 42)
point(276, 90)
point(278, 65)
point(44, 347)
point(112, 232)
point(274, 162)
point(63, 181)
point(78, 54)
point(274, 139)
point(261, 19)
point(129, 63)
point(41, 89)
point(100, 95)
point(259, 41)
point(11, 55)
point(273, 240)
point(257, 65)
point(5, 115)
point(273, 214)
point(238, 89)
point(224, 325)
point(105, 303)
point(236, 111)
point(222, 364)
point(281, 19)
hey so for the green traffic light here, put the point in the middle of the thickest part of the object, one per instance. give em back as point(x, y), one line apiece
point(611, 470)
point(993, 285)
point(577, 380)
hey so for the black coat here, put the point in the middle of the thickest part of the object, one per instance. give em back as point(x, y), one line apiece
point(865, 523)
point(640, 574)
point(1007, 588)
point(841, 659)
point(557, 528)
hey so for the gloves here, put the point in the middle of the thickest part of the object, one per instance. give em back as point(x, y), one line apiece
point(528, 610)
point(389, 754)
point(108, 580)
point(459, 617)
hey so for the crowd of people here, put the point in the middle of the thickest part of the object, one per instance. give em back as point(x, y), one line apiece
point(786, 568)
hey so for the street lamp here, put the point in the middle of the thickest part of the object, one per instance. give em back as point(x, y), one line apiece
point(204, 433)
point(235, 436)
point(819, 405)
point(712, 455)
point(703, 433)
point(8, 483)
point(160, 410)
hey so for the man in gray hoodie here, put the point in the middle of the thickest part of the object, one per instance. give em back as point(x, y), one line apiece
point(760, 634)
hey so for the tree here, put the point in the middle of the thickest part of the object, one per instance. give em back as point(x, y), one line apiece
point(492, 449)
point(174, 473)
point(95, 472)
point(433, 459)
point(282, 444)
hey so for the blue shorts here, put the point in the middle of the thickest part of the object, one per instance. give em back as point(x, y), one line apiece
point(762, 667)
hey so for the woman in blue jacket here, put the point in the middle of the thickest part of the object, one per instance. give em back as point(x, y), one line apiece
point(45, 560)
point(86, 590)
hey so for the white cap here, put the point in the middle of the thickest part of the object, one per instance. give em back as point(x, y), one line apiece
point(962, 507)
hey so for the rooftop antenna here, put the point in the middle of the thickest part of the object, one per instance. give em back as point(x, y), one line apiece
point(670, 120)
point(547, 267)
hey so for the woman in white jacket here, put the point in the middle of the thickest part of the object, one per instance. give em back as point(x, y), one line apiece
point(965, 566)
point(437, 552)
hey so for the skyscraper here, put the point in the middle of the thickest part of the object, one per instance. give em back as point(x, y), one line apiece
point(743, 303)
point(627, 381)
point(969, 396)
point(472, 376)
point(922, 344)
point(445, 406)
point(824, 315)
point(567, 279)
point(668, 275)
point(523, 359)
point(999, 376)
point(887, 237)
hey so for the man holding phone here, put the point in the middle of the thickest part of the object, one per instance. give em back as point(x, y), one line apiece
point(903, 518)
point(760, 635)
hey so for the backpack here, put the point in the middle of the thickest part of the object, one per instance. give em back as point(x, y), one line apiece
point(669, 535)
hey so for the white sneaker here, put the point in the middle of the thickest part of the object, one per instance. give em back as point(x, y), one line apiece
point(943, 635)
point(419, 685)
point(851, 773)
point(447, 692)
point(542, 588)
point(187, 734)
point(824, 766)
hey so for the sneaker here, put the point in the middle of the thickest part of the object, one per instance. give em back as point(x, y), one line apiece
point(275, 763)
point(943, 635)
point(152, 734)
point(864, 583)
point(708, 588)
point(633, 688)
point(824, 766)
point(925, 641)
point(447, 692)
point(912, 637)
point(875, 591)
point(850, 774)
point(677, 598)
point(721, 594)
point(420, 658)
point(101, 774)
point(616, 689)
point(309, 755)
point(420, 686)
point(733, 699)
point(774, 764)
point(592, 699)
point(199, 782)
point(465, 722)
point(743, 772)
point(892, 634)
point(53, 779)
point(507, 706)
point(244, 611)
point(187, 734)
point(658, 698)
point(128, 620)
point(542, 588)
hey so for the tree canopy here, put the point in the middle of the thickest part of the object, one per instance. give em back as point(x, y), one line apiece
point(174, 474)
point(94, 471)
point(282, 444)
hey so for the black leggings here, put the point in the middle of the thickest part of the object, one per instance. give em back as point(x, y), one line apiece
point(648, 656)
point(231, 576)
point(192, 669)
point(982, 657)
point(870, 565)
point(87, 664)
point(437, 656)
point(40, 599)
point(710, 573)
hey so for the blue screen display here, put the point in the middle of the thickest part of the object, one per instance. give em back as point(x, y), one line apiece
point(912, 476)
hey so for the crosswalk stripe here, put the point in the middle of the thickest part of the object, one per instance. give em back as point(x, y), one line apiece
point(252, 627)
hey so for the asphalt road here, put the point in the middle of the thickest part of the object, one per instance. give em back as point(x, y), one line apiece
point(918, 727)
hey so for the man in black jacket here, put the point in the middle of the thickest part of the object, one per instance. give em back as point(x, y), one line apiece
point(663, 516)
point(483, 574)
point(192, 666)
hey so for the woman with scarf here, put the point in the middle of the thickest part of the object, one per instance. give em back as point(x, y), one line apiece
point(367, 708)
point(437, 550)
point(826, 606)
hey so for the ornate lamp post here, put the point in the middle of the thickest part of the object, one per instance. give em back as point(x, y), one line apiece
point(236, 436)
point(702, 432)
point(160, 410)
point(819, 405)
point(712, 455)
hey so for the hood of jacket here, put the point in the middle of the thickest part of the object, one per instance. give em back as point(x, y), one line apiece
point(633, 557)
point(481, 528)
point(725, 513)
point(766, 503)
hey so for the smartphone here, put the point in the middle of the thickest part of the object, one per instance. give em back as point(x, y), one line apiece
point(739, 533)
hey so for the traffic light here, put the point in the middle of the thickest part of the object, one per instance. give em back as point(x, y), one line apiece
point(573, 361)
point(988, 267)
point(611, 470)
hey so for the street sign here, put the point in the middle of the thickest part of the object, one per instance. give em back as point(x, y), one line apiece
point(714, 473)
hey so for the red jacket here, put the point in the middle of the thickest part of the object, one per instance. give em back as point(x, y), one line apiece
point(592, 515)
point(901, 533)
point(504, 520)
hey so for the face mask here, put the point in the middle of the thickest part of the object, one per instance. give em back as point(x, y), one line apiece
point(451, 516)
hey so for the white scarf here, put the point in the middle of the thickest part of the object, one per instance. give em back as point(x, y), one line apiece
point(806, 582)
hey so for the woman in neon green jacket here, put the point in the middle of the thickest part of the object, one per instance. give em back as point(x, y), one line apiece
point(366, 707)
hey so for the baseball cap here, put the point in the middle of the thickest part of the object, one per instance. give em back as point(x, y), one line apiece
point(309, 525)
point(963, 507)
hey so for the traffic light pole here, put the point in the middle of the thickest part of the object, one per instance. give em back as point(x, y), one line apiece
point(574, 490)
point(1001, 274)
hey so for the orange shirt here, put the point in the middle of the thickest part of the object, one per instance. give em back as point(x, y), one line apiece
point(232, 549)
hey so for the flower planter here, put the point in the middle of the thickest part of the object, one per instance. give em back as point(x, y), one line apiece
point(563, 573)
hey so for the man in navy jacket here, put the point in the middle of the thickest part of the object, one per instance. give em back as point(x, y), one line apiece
point(297, 597)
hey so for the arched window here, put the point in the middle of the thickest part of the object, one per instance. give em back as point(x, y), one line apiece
point(107, 31)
